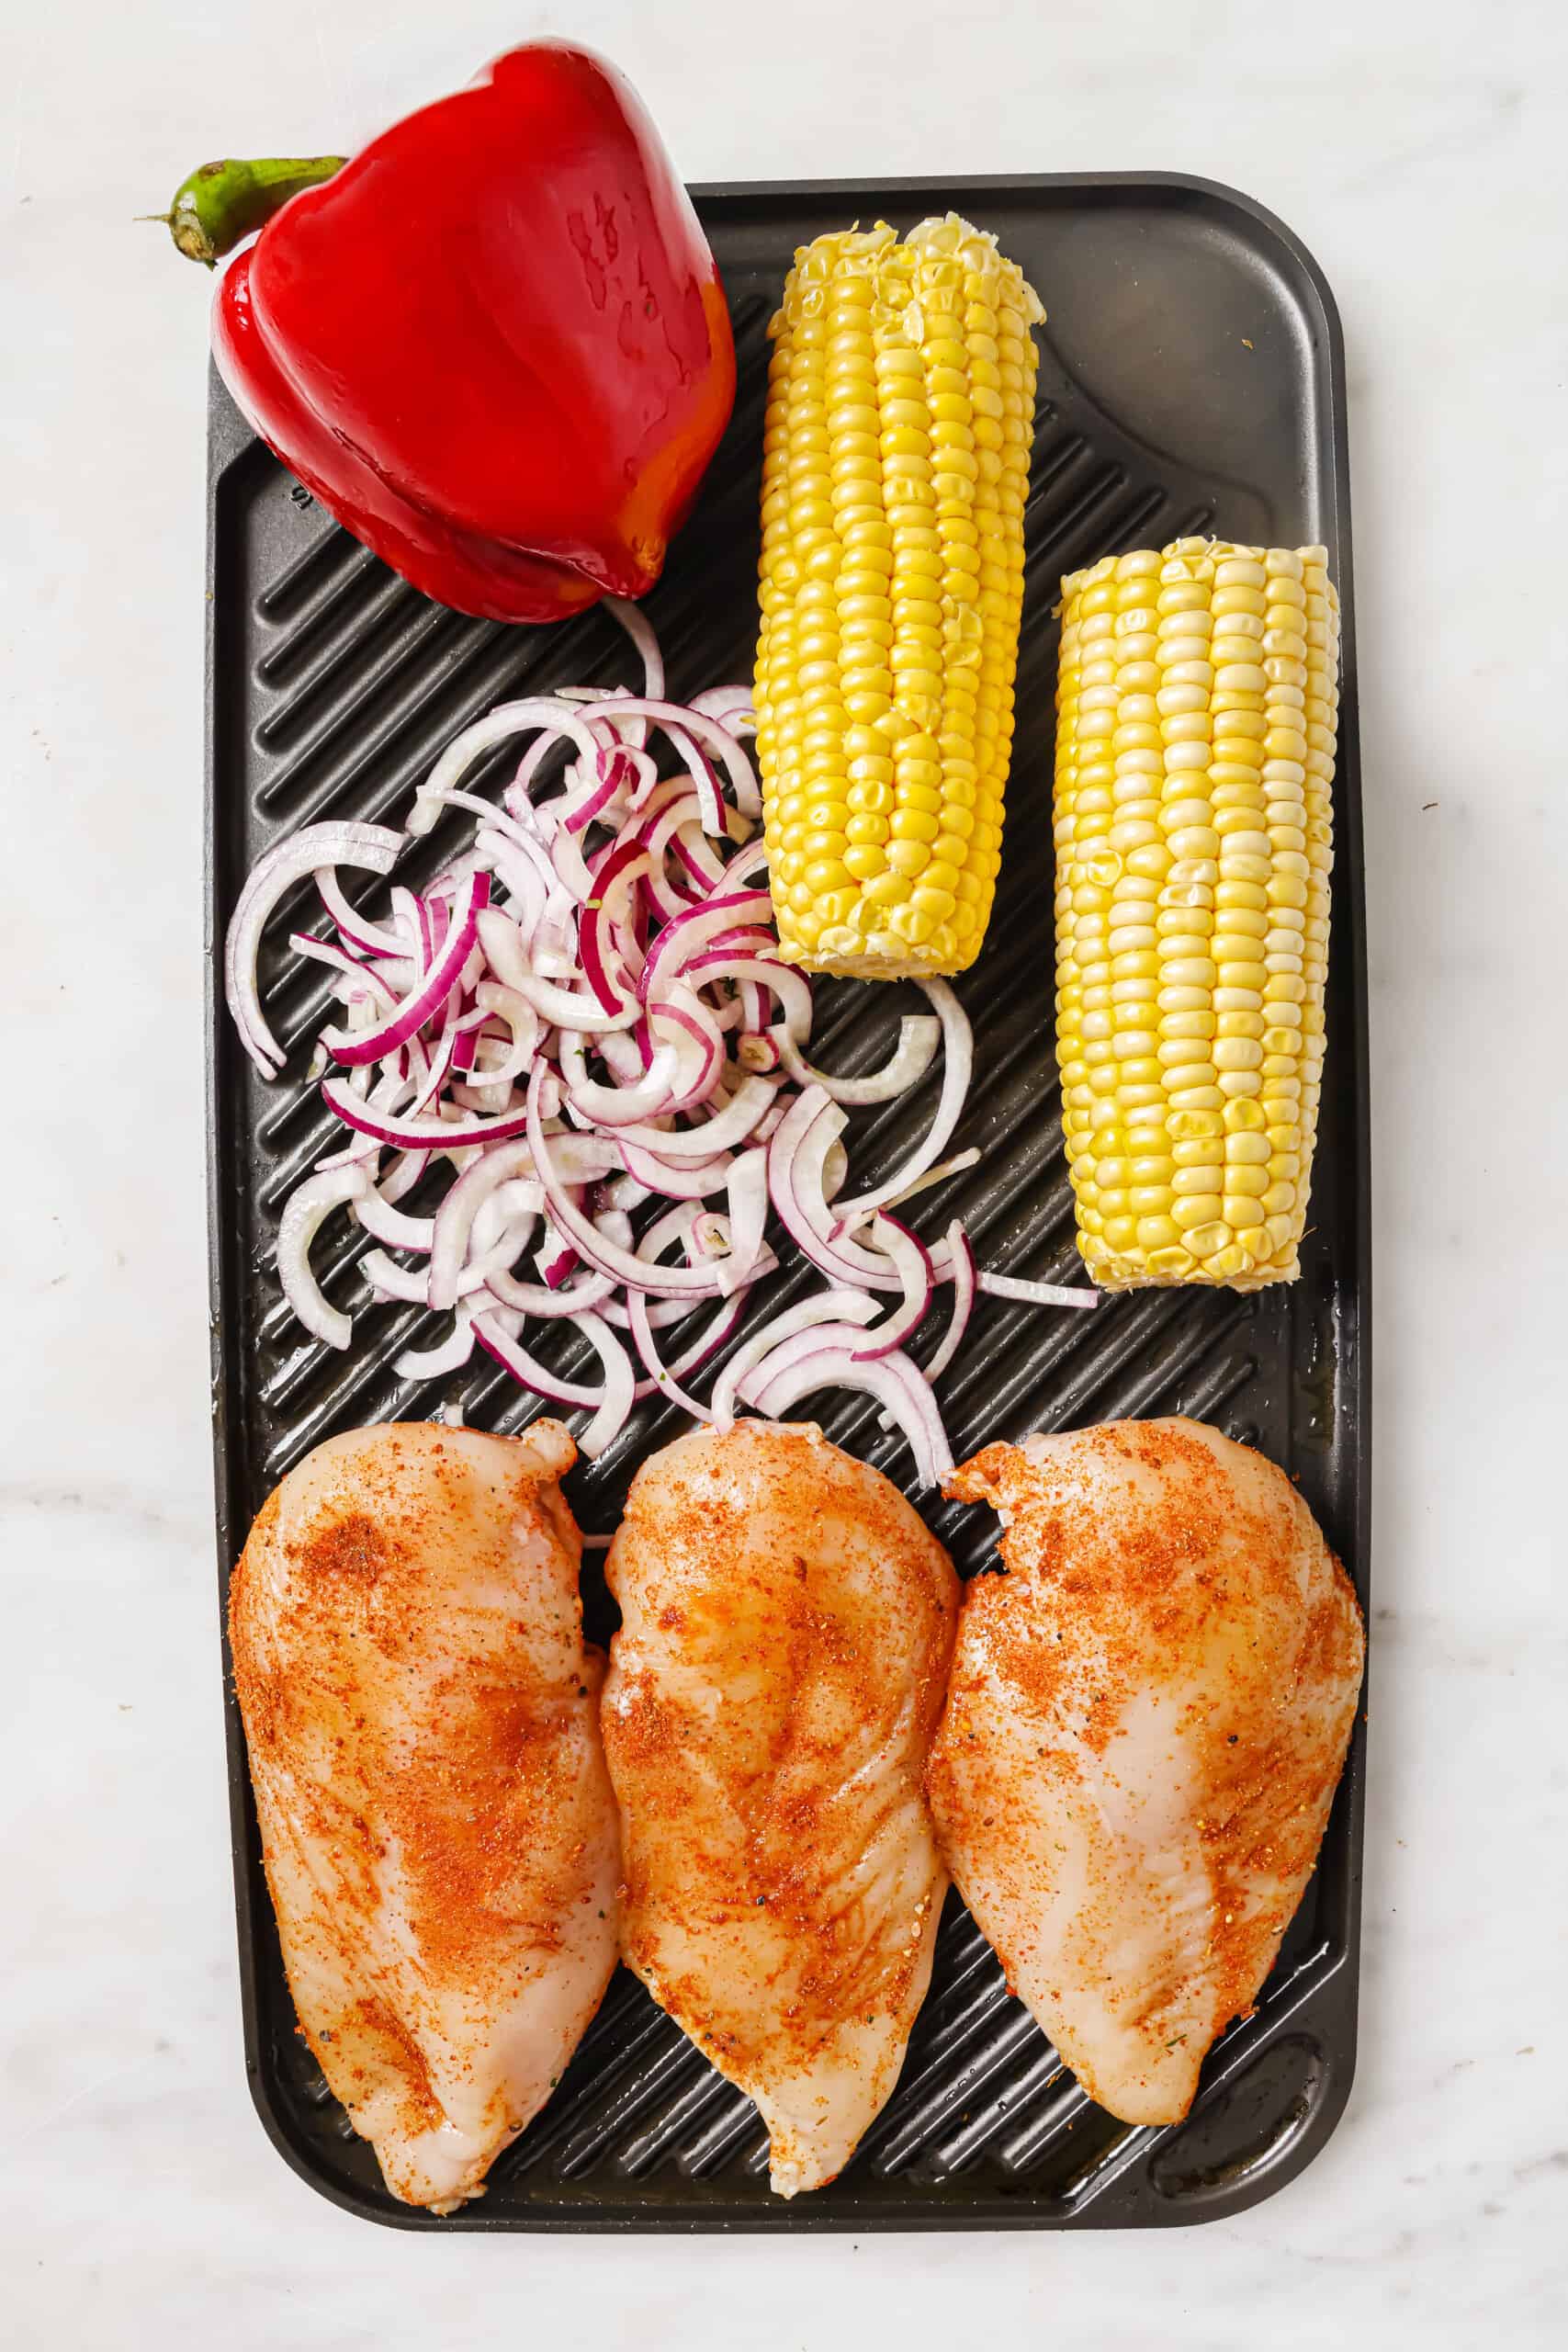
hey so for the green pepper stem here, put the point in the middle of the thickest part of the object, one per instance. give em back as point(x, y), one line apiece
point(219, 203)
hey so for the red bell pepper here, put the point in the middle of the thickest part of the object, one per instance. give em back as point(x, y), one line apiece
point(493, 344)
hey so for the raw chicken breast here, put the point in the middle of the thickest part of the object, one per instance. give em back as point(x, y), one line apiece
point(1147, 1717)
point(436, 1822)
point(770, 1700)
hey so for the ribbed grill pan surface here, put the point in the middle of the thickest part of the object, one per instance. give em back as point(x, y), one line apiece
point(1190, 381)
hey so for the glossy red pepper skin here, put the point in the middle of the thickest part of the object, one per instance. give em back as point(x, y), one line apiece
point(495, 344)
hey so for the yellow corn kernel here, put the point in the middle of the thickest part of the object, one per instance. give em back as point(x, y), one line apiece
point(896, 459)
point(1196, 701)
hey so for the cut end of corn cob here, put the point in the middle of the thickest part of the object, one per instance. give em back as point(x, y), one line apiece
point(895, 465)
point(1195, 740)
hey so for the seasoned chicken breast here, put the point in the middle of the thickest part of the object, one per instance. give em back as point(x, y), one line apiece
point(436, 1822)
point(1147, 1717)
point(772, 1696)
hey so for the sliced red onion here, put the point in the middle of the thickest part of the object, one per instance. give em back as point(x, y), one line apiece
point(934, 1176)
point(585, 1159)
point(518, 1201)
point(911, 1263)
point(662, 822)
point(370, 938)
point(659, 1312)
point(549, 1303)
point(304, 854)
point(387, 1127)
point(706, 1240)
point(388, 1279)
point(501, 823)
point(355, 978)
point(597, 795)
point(632, 1270)
point(634, 931)
point(743, 869)
point(384, 1100)
point(639, 630)
point(708, 1235)
point(529, 901)
point(917, 1038)
point(564, 1008)
point(435, 1075)
point(795, 1153)
point(510, 718)
point(661, 1380)
point(614, 875)
point(803, 1347)
point(455, 1218)
point(617, 1106)
point(414, 923)
point(372, 1210)
point(402, 1175)
point(828, 1307)
point(792, 989)
point(555, 1257)
point(731, 1125)
point(566, 856)
point(748, 1189)
point(615, 1225)
point(411, 1284)
point(958, 1066)
point(531, 845)
point(898, 1383)
point(447, 1355)
point(696, 929)
point(622, 1054)
point(698, 1042)
point(445, 971)
point(733, 707)
point(1037, 1293)
point(705, 869)
point(662, 1313)
point(961, 1258)
point(304, 1213)
point(494, 1101)
point(682, 723)
point(680, 1182)
point(527, 1030)
point(613, 1399)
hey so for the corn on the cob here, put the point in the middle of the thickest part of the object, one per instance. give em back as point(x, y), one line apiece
point(896, 443)
point(1195, 742)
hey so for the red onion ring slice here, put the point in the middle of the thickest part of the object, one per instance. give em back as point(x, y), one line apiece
point(828, 1307)
point(305, 1211)
point(360, 1046)
point(958, 1069)
point(919, 1035)
point(1037, 1293)
point(447, 1355)
point(897, 1383)
point(613, 1400)
point(960, 1259)
point(304, 854)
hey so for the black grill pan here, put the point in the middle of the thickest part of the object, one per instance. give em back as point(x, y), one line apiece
point(1192, 380)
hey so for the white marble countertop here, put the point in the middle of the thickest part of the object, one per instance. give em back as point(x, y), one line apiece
point(1422, 152)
